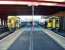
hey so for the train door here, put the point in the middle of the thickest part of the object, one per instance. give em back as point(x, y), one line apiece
point(49, 24)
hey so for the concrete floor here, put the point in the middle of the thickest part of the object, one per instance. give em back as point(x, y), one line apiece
point(35, 39)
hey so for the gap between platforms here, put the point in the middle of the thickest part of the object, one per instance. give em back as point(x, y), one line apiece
point(6, 42)
point(58, 38)
point(4, 34)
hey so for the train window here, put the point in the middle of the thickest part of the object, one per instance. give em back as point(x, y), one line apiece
point(9, 21)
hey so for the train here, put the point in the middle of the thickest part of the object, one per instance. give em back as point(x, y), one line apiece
point(13, 23)
point(53, 23)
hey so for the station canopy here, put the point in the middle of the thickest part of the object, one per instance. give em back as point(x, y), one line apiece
point(36, 0)
point(53, 0)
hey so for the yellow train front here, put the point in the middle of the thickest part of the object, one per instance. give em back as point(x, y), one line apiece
point(13, 23)
point(53, 23)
